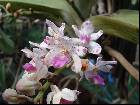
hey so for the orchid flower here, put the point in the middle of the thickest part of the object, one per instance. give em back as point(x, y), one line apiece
point(92, 70)
point(53, 30)
point(88, 37)
point(70, 48)
point(64, 96)
point(37, 56)
point(35, 70)
point(36, 65)
point(29, 82)
point(103, 65)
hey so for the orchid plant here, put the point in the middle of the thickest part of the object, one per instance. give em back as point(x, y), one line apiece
point(59, 51)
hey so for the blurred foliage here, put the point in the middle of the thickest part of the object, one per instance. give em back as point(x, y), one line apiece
point(15, 32)
point(84, 7)
point(2, 75)
point(133, 88)
point(123, 24)
point(6, 44)
point(52, 9)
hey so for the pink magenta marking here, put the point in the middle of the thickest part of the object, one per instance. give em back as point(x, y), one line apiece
point(29, 67)
point(85, 38)
point(64, 101)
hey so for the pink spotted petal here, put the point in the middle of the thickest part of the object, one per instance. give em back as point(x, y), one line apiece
point(94, 48)
point(87, 28)
point(85, 38)
point(29, 68)
point(59, 61)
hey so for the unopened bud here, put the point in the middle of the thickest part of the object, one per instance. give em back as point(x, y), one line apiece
point(8, 6)
point(11, 96)
point(27, 87)
point(16, 14)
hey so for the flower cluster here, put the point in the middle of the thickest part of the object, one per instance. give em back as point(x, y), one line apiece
point(60, 51)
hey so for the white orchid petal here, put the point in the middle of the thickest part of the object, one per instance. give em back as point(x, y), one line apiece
point(38, 45)
point(80, 50)
point(27, 75)
point(103, 63)
point(94, 48)
point(76, 41)
point(43, 73)
point(106, 68)
point(54, 88)
point(68, 94)
point(56, 98)
point(99, 59)
point(52, 25)
point(97, 35)
point(39, 52)
point(87, 28)
point(49, 97)
point(56, 95)
point(76, 30)
point(34, 44)
point(28, 52)
point(51, 31)
point(77, 65)
point(44, 45)
point(61, 29)
point(38, 62)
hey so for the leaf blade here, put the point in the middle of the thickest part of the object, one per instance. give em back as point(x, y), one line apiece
point(119, 26)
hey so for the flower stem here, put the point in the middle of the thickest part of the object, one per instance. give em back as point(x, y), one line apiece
point(39, 98)
point(123, 61)
point(18, 71)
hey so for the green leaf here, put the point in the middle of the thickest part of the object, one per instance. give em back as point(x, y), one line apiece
point(61, 7)
point(123, 24)
point(84, 7)
point(35, 34)
point(127, 16)
point(6, 44)
point(2, 74)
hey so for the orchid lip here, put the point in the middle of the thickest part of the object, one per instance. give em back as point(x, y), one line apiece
point(85, 38)
point(64, 101)
point(29, 67)
point(59, 61)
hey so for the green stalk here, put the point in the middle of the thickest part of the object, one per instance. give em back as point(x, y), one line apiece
point(39, 97)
